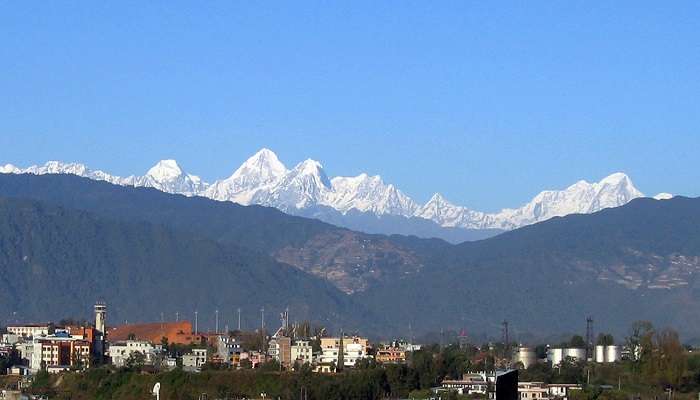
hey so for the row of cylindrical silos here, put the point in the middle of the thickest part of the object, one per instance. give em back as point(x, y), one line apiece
point(557, 355)
point(603, 354)
point(607, 354)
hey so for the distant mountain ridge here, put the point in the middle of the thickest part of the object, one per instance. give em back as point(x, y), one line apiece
point(305, 189)
point(638, 261)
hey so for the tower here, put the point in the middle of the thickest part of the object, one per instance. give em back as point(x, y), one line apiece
point(506, 340)
point(100, 316)
point(100, 329)
point(590, 346)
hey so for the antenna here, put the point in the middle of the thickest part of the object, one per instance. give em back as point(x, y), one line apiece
point(506, 339)
point(239, 319)
point(262, 319)
point(196, 326)
point(589, 338)
point(177, 316)
point(216, 329)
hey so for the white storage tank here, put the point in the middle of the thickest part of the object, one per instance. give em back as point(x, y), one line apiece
point(600, 353)
point(575, 353)
point(555, 355)
point(612, 353)
point(526, 356)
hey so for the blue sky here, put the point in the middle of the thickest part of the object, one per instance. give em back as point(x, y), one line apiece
point(488, 104)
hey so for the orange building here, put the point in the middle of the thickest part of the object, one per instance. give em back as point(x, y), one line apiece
point(391, 355)
point(175, 332)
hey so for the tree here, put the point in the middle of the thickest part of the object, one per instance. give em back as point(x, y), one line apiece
point(136, 361)
point(640, 335)
point(577, 341)
point(605, 339)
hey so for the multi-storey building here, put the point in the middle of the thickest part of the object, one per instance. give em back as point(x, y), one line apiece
point(354, 348)
point(30, 330)
point(280, 349)
point(391, 355)
point(195, 360)
point(120, 352)
point(302, 352)
point(228, 350)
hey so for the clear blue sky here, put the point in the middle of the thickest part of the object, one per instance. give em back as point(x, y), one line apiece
point(488, 104)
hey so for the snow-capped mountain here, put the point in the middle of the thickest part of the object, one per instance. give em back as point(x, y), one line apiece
point(304, 186)
point(262, 170)
point(369, 194)
point(263, 179)
point(167, 176)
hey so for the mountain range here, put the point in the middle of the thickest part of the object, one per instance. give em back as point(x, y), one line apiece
point(145, 252)
point(362, 202)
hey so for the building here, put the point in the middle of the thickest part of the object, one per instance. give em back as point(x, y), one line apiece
point(255, 357)
point(302, 352)
point(391, 355)
point(30, 330)
point(120, 352)
point(57, 350)
point(195, 360)
point(280, 349)
point(354, 348)
point(228, 350)
point(174, 332)
point(540, 390)
point(532, 391)
point(562, 390)
point(470, 384)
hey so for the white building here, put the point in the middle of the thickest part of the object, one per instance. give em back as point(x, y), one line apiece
point(29, 330)
point(195, 360)
point(540, 390)
point(120, 352)
point(302, 351)
point(354, 348)
point(470, 384)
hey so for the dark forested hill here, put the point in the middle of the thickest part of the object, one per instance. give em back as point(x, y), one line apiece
point(640, 261)
point(56, 262)
point(350, 260)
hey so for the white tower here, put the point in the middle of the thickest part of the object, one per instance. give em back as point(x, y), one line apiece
point(100, 316)
point(100, 326)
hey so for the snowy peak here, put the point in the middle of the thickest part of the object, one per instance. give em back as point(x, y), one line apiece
point(9, 169)
point(313, 170)
point(264, 179)
point(663, 196)
point(257, 172)
point(369, 194)
point(165, 170)
point(167, 176)
point(264, 166)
